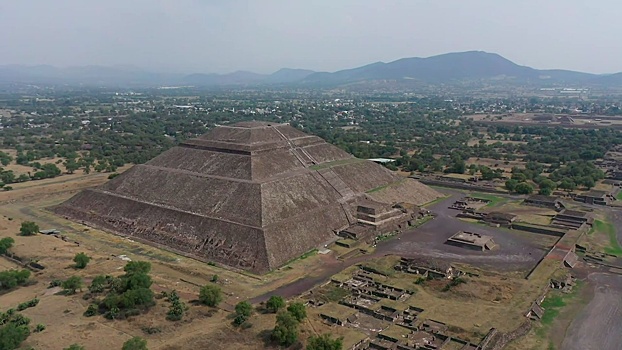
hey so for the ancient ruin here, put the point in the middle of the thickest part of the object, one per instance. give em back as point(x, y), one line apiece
point(471, 240)
point(252, 196)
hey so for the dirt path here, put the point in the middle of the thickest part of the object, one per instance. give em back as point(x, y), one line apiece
point(598, 325)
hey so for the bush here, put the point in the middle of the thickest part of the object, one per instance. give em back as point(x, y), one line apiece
point(151, 330)
point(39, 328)
point(210, 295)
point(297, 310)
point(12, 336)
point(13, 278)
point(81, 260)
point(28, 228)
point(26, 305)
point(72, 284)
point(112, 176)
point(324, 342)
point(243, 311)
point(285, 332)
point(75, 347)
point(5, 244)
point(100, 283)
point(177, 309)
point(128, 293)
point(136, 343)
point(275, 303)
point(90, 311)
point(55, 283)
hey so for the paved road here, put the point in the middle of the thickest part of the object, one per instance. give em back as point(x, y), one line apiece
point(516, 253)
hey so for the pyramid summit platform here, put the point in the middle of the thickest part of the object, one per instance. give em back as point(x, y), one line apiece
point(252, 196)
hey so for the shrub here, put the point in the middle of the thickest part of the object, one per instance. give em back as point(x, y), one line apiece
point(72, 284)
point(81, 260)
point(210, 295)
point(39, 328)
point(13, 278)
point(177, 309)
point(5, 244)
point(90, 311)
point(55, 283)
point(26, 305)
point(243, 311)
point(297, 310)
point(324, 342)
point(75, 347)
point(285, 331)
point(275, 303)
point(28, 228)
point(136, 343)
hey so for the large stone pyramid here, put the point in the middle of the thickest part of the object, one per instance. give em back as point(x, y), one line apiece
point(252, 196)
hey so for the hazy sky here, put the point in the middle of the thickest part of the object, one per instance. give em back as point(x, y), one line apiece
point(264, 35)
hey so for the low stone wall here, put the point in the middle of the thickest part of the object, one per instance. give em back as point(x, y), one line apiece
point(538, 229)
point(462, 186)
point(500, 340)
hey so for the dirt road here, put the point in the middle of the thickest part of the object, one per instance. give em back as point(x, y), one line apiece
point(598, 325)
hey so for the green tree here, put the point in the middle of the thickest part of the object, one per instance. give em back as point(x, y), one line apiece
point(285, 331)
point(523, 188)
point(547, 186)
point(5, 244)
point(587, 182)
point(12, 335)
point(72, 284)
point(210, 295)
point(324, 342)
point(510, 185)
point(81, 260)
point(297, 310)
point(71, 165)
point(75, 347)
point(275, 303)
point(243, 311)
point(134, 267)
point(13, 278)
point(567, 184)
point(28, 228)
point(136, 343)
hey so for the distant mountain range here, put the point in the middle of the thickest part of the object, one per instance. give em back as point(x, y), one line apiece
point(446, 69)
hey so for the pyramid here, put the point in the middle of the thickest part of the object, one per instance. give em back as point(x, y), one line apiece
point(252, 196)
